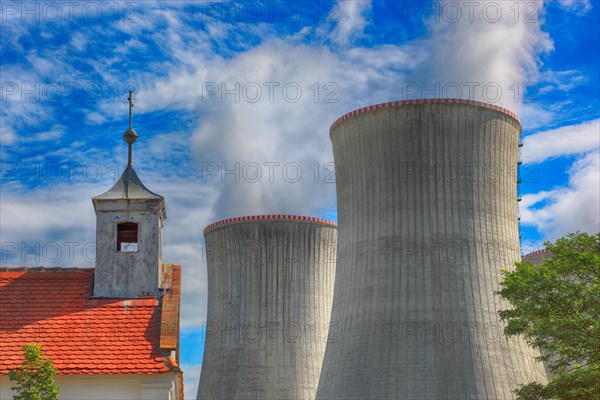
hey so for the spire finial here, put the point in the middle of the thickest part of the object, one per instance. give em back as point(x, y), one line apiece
point(130, 134)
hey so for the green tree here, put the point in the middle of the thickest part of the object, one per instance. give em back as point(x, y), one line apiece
point(34, 378)
point(556, 307)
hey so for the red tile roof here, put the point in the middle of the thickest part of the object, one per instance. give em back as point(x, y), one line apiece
point(82, 335)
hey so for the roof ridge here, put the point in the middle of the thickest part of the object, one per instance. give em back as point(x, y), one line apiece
point(267, 217)
point(44, 269)
point(399, 103)
point(120, 302)
point(533, 253)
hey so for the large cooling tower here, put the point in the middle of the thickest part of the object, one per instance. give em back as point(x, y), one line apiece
point(270, 288)
point(427, 214)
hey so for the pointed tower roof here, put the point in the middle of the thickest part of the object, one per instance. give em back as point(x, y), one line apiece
point(129, 186)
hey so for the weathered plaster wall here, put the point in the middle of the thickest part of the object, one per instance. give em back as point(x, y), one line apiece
point(110, 387)
point(127, 274)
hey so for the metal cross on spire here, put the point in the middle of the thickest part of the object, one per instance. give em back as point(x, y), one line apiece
point(129, 98)
point(130, 134)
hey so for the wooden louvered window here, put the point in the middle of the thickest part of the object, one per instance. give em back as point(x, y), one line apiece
point(127, 236)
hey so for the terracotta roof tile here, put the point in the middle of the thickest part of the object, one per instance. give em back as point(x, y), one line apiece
point(82, 335)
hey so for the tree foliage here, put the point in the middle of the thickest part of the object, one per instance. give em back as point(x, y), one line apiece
point(556, 307)
point(34, 378)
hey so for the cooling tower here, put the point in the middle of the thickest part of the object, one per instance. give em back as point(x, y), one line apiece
point(427, 214)
point(270, 288)
point(537, 257)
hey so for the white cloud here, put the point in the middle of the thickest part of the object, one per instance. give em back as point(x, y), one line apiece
point(79, 41)
point(481, 52)
point(56, 132)
point(561, 80)
point(537, 115)
point(95, 118)
point(579, 7)
point(23, 107)
point(352, 19)
point(7, 135)
point(566, 140)
point(51, 226)
point(290, 130)
point(287, 95)
point(568, 209)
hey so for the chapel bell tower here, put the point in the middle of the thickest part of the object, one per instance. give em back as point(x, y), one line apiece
point(129, 219)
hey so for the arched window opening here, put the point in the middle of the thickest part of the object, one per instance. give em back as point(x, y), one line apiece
point(127, 236)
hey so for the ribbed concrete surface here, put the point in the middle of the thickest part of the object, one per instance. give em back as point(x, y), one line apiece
point(269, 303)
point(425, 225)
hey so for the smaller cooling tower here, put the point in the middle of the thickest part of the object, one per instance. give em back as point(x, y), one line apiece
point(270, 288)
point(537, 257)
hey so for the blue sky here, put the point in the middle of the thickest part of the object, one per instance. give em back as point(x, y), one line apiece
point(226, 91)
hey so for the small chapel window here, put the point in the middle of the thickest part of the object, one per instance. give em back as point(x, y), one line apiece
point(127, 237)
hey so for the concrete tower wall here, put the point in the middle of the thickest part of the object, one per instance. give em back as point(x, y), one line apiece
point(270, 281)
point(427, 213)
